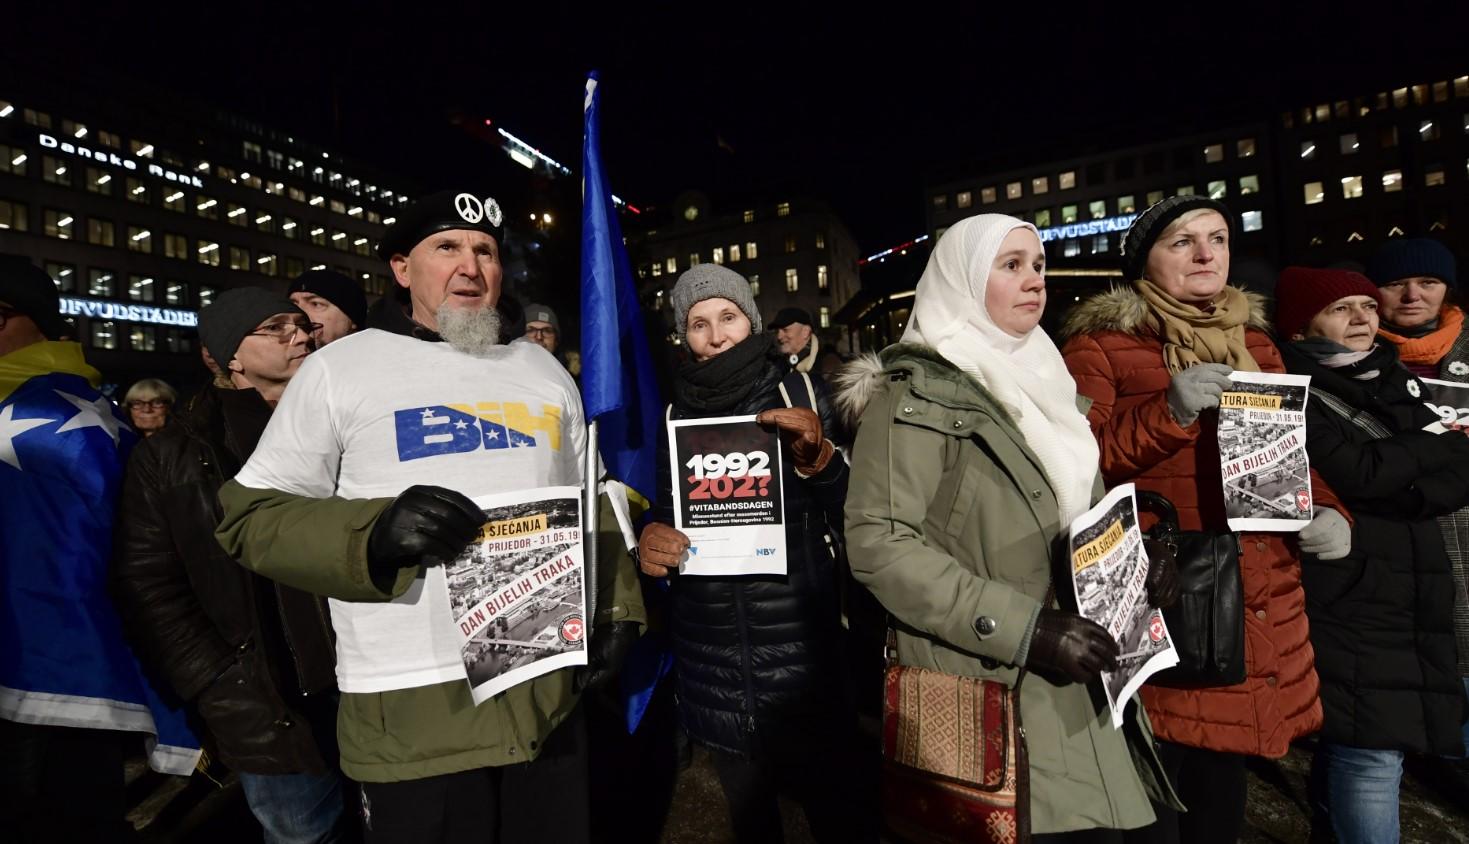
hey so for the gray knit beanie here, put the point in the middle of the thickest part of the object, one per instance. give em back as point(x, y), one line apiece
point(712, 281)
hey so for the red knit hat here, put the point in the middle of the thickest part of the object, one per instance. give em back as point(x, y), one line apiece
point(1302, 293)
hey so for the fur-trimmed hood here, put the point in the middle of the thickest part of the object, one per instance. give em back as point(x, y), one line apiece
point(1123, 309)
point(854, 385)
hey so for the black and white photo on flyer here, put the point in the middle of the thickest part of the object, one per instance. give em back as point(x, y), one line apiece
point(1262, 451)
point(517, 594)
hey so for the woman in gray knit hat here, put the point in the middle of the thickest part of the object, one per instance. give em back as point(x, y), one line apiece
point(758, 657)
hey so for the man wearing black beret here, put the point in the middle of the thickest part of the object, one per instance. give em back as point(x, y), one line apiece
point(334, 302)
point(362, 488)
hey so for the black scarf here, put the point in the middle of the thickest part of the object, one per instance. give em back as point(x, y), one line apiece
point(1423, 330)
point(720, 383)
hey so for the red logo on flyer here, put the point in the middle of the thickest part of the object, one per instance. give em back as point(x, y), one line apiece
point(572, 629)
point(1303, 499)
point(1155, 628)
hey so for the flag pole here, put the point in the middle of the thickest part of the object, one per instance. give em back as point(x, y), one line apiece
point(591, 514)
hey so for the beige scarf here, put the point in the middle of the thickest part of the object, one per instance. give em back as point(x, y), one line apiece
point(1191, 336)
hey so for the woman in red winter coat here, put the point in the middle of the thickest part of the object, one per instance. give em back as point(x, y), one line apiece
point(1154, 357)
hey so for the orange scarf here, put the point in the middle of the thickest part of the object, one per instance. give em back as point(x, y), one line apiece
point(1431, 348)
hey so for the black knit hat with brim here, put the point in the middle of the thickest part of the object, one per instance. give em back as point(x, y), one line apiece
point(1151, 224)
point(234, 314)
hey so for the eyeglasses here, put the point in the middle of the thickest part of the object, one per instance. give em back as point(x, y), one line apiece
point(540, 332)
point(284, 332)
point(148, 404)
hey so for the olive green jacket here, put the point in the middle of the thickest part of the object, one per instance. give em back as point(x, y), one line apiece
point(952, 525)
point(320, 545)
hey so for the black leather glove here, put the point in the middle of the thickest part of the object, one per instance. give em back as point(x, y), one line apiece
point(1065, 645)
point(425, 525)
point(608, 650)
point(1162, 581)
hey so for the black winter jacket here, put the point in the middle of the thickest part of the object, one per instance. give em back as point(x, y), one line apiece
point(255, 658)
point(759, 669)
point(1382, 618)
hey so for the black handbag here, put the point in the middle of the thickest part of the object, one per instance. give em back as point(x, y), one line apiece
point(1207, 624)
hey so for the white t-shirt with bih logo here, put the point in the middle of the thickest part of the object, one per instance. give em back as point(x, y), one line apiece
point(375, 413)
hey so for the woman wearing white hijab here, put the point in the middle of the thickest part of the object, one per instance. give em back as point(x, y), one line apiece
point(971, 458)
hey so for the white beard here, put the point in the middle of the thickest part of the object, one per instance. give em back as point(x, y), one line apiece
point(473, 332)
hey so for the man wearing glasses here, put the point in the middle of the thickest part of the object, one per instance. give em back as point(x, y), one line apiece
point(253, 657)
point(542, 327)
point(361, 490)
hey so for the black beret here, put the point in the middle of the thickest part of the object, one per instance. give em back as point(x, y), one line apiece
point(442, 211)
point(28, 289)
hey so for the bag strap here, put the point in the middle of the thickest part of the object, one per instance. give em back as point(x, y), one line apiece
point(1360, 418)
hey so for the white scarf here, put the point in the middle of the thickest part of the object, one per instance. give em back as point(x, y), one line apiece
point(1026, 374)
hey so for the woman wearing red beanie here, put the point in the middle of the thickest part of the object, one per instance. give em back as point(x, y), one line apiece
point(1382, 617)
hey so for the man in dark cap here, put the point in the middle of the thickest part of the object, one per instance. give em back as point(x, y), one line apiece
point(73, 697)
point(334, 302)
point(253, 657)
point(542, 327)
point(793, 336)
point(361, 490)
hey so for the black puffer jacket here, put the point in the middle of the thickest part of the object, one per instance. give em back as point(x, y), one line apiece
point(759, 657)
point(255, 658)
point(1382, 618)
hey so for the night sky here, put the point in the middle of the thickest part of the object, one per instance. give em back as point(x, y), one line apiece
point(858, 108)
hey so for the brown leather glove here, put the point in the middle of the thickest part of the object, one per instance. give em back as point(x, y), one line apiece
point(1065, 646)
point(801, 429)
point(660, 548)
point(1162, 580)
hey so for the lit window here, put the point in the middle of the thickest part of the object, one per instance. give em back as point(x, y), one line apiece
point(295, 266)
point(267, 264)
point(825, 317)
point(99, 181)
point(790, 243)
point(296, 194)
point(337, 206)
point(1067, 180)
point(59, 225)
point(1315, 193)
point(718, 255)
point(265, 222)
point(734, 252)
point(355, 211)
point(55, 171)
point(1068, 214)
point(1126, 204)
point(657, 271)
point(1323, 113)
point(1213, 153)
point(1251, 221)
point(140, 288)
point(239, 258)
point(693, 258)
point(1351, 187)
point(235, 214)
point(751, 252)
point(317, 200)
point(1070, 248)
point(792, 282)
point(987, 195)
point(208, 255)
point(136, 190)
point(140, 239)
point(318, 236)
point(1186, 190)
point(1433, 175)
point(1043, 218)
point(755, 285)
point(1249, 185)
point(1308, 150)
point(206, 294)
point(13, 216)
point(206, 207)
point(1154, 197)
point(1100, 244)
point(1244, 148)
point(142, 338)
point(1218, 189)
point(339, 240)
point(964, 198)
point(65, 276)
point(1400, 98)
point(362, 246)
point(140, 149)
point(39, 119)
point(104, 334)
point(783, 209)
point(1013, 190)
point(250, 151)
point(175, 293)
point(1040, 184)
point(13, 160)
point(749, 216)
point(173, 200)
point(1428, 130)
point(101, 232)
point(1420, 94)
point(99, 282)
point(1349, 143)
point(821, 277)
point(941, 202)
point(1461, 86)
point(177, 246)
point(671, 265)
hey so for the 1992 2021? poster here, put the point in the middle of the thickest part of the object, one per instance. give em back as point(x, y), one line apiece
point(517, 593)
